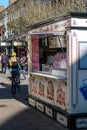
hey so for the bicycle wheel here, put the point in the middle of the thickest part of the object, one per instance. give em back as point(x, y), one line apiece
point(18, 85)
point(18, 82)
point(13, 87)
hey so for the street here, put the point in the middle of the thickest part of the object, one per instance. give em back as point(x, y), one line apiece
point(16, 114)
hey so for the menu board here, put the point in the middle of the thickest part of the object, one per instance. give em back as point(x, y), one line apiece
point(57, 41)
point(35, 54)
point(53, 42)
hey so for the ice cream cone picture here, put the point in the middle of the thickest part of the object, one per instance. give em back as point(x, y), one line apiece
point(61, 94)
point(41, 88)
point(34, 85)
point(50, 90)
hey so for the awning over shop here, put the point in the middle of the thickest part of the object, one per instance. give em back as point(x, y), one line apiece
point(61, 33)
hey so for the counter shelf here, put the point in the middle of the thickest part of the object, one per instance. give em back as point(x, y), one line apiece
point(48, 75)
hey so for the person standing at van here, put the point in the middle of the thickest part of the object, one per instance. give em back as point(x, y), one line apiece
point(0, 62)
point(23, 65)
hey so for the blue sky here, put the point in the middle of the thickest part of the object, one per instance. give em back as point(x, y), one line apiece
point(4, 3)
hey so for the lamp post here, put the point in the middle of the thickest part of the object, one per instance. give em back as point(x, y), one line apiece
point(6, 30)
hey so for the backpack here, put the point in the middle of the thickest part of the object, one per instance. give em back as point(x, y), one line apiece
point(13, 61)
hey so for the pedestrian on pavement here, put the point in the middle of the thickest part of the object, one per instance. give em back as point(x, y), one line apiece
point(23, 65)
point(0, 62)
point(4, 62)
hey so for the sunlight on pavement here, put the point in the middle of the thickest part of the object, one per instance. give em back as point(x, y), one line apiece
point(10, 108)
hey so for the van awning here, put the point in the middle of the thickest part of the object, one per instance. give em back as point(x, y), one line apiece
point(60, 33)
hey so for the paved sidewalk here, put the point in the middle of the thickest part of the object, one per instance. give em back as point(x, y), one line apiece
point(16, 114)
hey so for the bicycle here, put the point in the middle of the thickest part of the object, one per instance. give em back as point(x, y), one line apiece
point(15, 82)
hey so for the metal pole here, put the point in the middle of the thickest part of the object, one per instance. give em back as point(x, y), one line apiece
point(6, 31)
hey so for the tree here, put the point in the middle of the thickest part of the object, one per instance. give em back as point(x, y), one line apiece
point(33, 11)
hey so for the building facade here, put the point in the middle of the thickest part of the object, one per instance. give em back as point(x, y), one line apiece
point(20, 15)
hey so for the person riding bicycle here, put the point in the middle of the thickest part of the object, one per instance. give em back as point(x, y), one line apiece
point(14, 66)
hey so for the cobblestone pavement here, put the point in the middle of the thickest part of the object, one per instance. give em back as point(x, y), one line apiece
point(16, 114)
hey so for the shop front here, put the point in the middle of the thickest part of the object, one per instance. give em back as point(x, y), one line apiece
point(20, 47)
point(5, 47)
point(57, 80)
point(17, 44)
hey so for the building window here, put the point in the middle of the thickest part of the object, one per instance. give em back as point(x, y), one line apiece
point(24, 6)
point(47, 1)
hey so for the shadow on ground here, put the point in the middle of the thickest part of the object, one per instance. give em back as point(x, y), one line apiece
point(6, 93)
point(27, 119)
point(30, 119)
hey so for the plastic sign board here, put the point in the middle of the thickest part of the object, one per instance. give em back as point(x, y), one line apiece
point(3, 43)
point(15, 43)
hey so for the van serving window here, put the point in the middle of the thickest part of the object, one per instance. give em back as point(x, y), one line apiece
point(60, 33)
